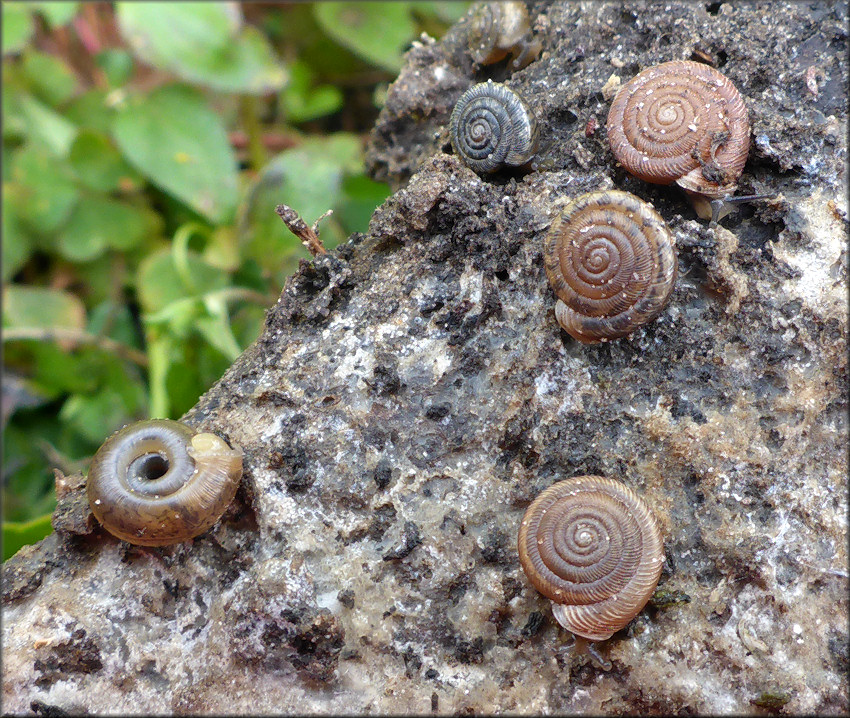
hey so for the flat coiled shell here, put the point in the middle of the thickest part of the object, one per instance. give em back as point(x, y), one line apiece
point(158, 482)
point(592, 546)
point(612, 263)
point(681, 122)
point(491, 126)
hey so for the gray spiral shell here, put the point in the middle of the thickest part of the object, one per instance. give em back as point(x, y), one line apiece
point(491, 126)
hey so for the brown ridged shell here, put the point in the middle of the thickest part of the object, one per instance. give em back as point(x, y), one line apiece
point(592, 546)
point(157, 482)
point(681, 122)
point(612, 263)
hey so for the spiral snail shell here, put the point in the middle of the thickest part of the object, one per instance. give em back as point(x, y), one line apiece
point(612, 264)
point(591, 546)
point(491, 126)
point(157, 482)
point(499, 29)
point(681, 122)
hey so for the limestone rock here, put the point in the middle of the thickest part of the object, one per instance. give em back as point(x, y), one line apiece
point(412, 392)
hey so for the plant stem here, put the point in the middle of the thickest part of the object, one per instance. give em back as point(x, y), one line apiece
point(76, 337)
point(251, 122)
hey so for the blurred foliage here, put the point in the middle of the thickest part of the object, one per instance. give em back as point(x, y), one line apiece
point(145, 146)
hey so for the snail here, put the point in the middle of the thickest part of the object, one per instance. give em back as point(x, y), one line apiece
point(158, 482)
point(591, 546)
point(499, 29)
point(681, 122)
point(491, 126)
point(612, 263)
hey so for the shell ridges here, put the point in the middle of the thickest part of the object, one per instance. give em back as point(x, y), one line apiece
point(600, 556)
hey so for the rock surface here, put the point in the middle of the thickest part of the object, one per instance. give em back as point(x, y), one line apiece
point(412, 393)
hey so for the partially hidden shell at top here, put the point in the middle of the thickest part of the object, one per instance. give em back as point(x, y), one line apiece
point(499, 29)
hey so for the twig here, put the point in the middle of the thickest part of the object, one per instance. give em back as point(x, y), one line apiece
point(309, 236)
point(78, 338)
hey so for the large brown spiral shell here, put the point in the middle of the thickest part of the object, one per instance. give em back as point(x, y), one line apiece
point(681, 122)
point(593, 547)
point(612, 263)
point(157, 482)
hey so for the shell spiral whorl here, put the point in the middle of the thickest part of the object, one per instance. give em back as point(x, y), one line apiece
point(592, 546)
point(499, 29)
point(681, 122)
point(612, 263)
point(157, 482)
point(491, 126)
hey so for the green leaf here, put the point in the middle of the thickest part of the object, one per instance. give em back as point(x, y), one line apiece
point(99, 165)
point(117, 319)
point(204, 43)
point(303, 101)
point(16, 246)
point(101, 277)
point(183, 384)
point(40, 307)
point(17, 534)
point(160, 285)
point(97, 223)
point(447, 12)
point(14, 123)
point(116, 64)
point(47, 127)
point(57, 13)
point(361, 195)
point(17, 26)
point(42, 191)
point(53, 370)
point(377, 31)
point(248, 322)
point(173, 137)
point(92, 110)
point(222, 249)
point(51, 79)
point(308, 177)
point(216, 331)
point(94, 417)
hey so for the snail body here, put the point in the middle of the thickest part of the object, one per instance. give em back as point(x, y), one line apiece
point(591, 546)
point(499, 29)
point(612, 263)
point(681, 122)
point(158, 482)
point(491, 126)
